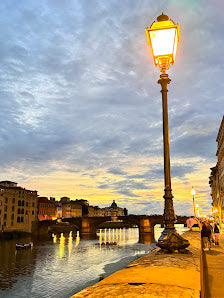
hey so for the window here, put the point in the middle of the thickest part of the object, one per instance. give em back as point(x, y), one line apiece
point(13, 200)
point(18, 219)
point(32, 204)
point(5, 208)
point(6, 200)
point(26, 212)
point(22, 203)
point(21, 218)
point(13, 208)
point(12, 216)
point(12, 223)
point(26, 204)
point(5, 216)
point(32, 212)
point(0, 211)
point(19, 203)
point(4, 223)
point(22, 211)
point(18, 211)
point(0, 203)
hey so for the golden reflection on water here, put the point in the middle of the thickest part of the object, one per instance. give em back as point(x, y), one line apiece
point(62, 241)
point(70, 239)
point(100, 238)
point(77, 239)
point(105, 236)
point(116, 236)
point(62, 246)
point(54, 238)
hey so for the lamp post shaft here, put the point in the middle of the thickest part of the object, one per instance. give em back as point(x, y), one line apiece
point(169, 215)
point(194, 207)
point(169, 240)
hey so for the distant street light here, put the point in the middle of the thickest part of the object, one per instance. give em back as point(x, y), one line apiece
point(163, 37)
point(193, 194)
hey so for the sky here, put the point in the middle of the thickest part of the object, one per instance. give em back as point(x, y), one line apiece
point(80, 107)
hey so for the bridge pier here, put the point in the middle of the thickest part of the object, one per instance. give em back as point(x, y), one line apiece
point(88, 230)
point(146, 231)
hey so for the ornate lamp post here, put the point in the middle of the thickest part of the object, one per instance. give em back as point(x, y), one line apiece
point(193, 194)
point(163, 37)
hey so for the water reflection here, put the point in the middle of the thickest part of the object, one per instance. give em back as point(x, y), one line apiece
point(62, 241)
point(14, 263)
point(77, 239)
point(70, 239)
point(117, 236)
point(54, 238)
point(62, 246)
point(63, 264)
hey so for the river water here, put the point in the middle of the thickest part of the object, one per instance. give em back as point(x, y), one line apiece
point(63, 265)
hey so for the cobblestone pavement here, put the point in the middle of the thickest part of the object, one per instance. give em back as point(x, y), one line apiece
point(154, 275)
point(214, 271)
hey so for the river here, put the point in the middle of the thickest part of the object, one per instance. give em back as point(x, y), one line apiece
point(63, 265)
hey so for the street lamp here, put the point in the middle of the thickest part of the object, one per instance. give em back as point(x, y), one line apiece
point(193, 194)
point(163, 37)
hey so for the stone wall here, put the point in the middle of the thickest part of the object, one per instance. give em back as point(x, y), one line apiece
point(155, 275)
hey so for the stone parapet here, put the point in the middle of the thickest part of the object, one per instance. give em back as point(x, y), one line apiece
point(155, 275)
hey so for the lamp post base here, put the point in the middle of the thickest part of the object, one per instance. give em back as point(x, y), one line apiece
point(170, 240)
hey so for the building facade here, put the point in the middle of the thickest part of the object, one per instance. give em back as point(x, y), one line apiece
point(217, 177)
point(70, 208)
point(46, 209)
point(18, 207)
point(114, 210)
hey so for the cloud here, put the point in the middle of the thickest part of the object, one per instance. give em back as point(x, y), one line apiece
point(79, 94)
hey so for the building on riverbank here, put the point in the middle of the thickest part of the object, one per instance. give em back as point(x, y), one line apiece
point(216, 179)
point(114, 210)
point(18, 207)
point(70, 208)
point(46, 209)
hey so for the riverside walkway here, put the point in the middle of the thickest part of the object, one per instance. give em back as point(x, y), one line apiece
point(197, 274)
point(213, 268)
point(155, 275)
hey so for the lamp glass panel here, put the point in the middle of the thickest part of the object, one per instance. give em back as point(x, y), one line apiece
point(163, 41)
point(192, 192)
point(175, 45)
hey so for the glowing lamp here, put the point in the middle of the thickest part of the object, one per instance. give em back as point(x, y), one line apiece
point(192, 191)
point(163, 37)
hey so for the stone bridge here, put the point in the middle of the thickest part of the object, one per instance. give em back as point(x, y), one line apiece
point(88, 225)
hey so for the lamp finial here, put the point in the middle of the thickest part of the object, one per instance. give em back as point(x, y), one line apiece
point(162, 18)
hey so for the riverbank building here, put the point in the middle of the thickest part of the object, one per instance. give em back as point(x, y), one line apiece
point(18, 207)
point(216, 179)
